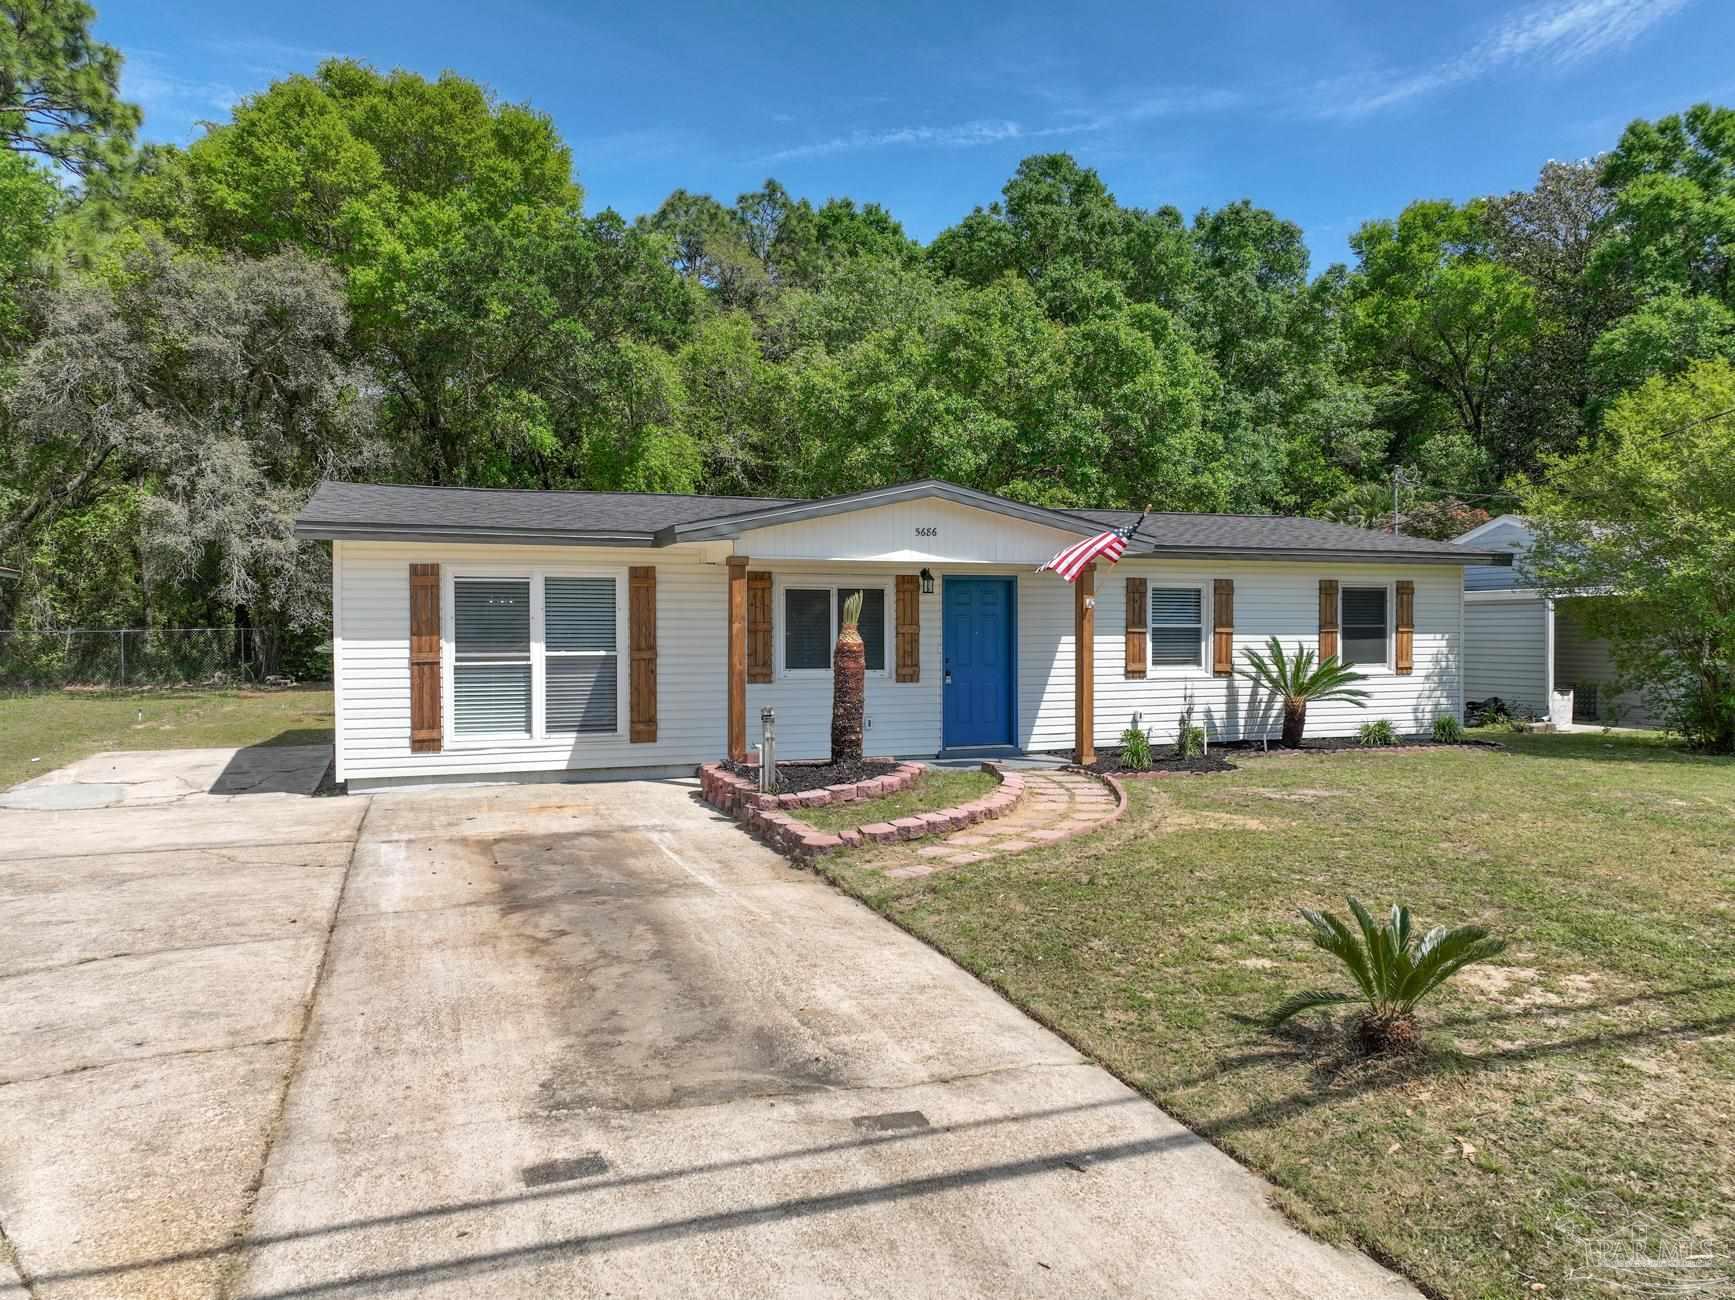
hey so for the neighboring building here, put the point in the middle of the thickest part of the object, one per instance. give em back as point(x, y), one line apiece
point(494, 632)
point(1534, 652)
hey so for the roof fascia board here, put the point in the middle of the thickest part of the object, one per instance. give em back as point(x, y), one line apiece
point(313, 530)
point(727, 526)
point(1304, 554)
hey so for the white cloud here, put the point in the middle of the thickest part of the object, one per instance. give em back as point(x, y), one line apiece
point(962, 135)
point(1124, 111)
point(174, 106)
point(1555, 35)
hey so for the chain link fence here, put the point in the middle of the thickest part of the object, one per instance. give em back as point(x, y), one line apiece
point(133, 656)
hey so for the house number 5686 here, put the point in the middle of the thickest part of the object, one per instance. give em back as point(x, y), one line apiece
point(927, 531)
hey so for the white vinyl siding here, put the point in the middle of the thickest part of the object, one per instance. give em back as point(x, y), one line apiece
point(1506, 652)
point(371, 586)
point(1271, 599)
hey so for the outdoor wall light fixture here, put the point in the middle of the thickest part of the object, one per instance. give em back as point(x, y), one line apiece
point(927, 582)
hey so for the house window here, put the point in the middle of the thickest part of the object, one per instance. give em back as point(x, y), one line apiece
point(872, 625)
point(581, 657)
point(806, 628)
point(1177, 627)
point(491, 656)
point(811, 617)
point(1364, 625)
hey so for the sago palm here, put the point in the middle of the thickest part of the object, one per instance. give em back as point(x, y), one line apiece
point(1393, 968)
point(848, 681)
point(1300, 681)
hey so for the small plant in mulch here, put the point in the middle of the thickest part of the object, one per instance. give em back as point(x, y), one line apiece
point(792, 778)
point(1448, 730)
point(1376, 734)
point(1189, 736)
point(1112, 762)
point(1393, 967)
point(1135, 751)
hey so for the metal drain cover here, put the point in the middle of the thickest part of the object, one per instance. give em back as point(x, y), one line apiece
point(588, 1165)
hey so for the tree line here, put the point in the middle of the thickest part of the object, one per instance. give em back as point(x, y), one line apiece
point(374, 275)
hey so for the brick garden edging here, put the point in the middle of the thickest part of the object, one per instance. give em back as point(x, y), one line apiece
point(771, 816)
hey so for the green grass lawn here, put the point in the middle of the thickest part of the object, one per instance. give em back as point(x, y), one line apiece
point(935, 788)
point(1571, 1116)
point(39, 733)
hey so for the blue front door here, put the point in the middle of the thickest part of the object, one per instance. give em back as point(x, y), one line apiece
point(976, 640)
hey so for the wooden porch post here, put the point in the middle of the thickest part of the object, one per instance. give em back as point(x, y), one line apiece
point(1084, 665)
point(738, 658)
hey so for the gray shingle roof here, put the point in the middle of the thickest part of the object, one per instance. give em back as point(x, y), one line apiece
point(1169, 533)
point(390, 512)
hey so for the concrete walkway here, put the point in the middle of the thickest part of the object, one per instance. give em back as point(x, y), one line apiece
point(1056, 805)
point(552, 1040)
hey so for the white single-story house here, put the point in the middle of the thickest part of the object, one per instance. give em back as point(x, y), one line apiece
point(493, 632)
point(1534, 652)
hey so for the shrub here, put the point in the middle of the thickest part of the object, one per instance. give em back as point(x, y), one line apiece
point(1299, 681)
point(1135, 750)
point(1393, 969)
point(1374, 734)
point(1189, 739)
point(1448, 730)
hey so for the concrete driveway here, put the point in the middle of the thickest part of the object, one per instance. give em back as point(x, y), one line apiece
point(543, 1040)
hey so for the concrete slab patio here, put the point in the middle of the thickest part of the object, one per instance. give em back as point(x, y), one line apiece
point(547, 1040)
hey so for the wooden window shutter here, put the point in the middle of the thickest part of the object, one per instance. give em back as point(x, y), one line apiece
point(1406, 627)
point(758, 627)
point(1138, 632)
point(642, 642)
point(1223, 626)
point(909, 612)
point(1327, 618)
point(425, 728)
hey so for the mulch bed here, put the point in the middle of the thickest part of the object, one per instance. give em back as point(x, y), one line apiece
point(1108, 763)
point(1340, 744)
point(792, 778)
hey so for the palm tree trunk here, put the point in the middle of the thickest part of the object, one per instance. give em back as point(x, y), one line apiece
point(1294, 722)
point(848, 681)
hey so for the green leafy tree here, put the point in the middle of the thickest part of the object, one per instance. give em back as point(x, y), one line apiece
point(1646, 514)
point(1431, 302)
point(59, 89)
point(1672, 227)
point(28, 203)
point(1662, 338)
point(225, 388)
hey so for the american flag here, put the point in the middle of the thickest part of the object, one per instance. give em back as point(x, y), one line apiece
point(1109, 546)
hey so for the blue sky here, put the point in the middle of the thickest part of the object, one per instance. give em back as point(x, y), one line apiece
point(1327, 113)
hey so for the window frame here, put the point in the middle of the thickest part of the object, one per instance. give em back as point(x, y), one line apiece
point(780, 622)
point(1202, 667)
point(539, 734)
point(1387, 664)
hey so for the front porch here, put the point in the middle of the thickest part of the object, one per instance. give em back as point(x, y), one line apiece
point(963, 660)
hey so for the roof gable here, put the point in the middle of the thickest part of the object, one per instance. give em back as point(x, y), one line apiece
point(733, 524)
